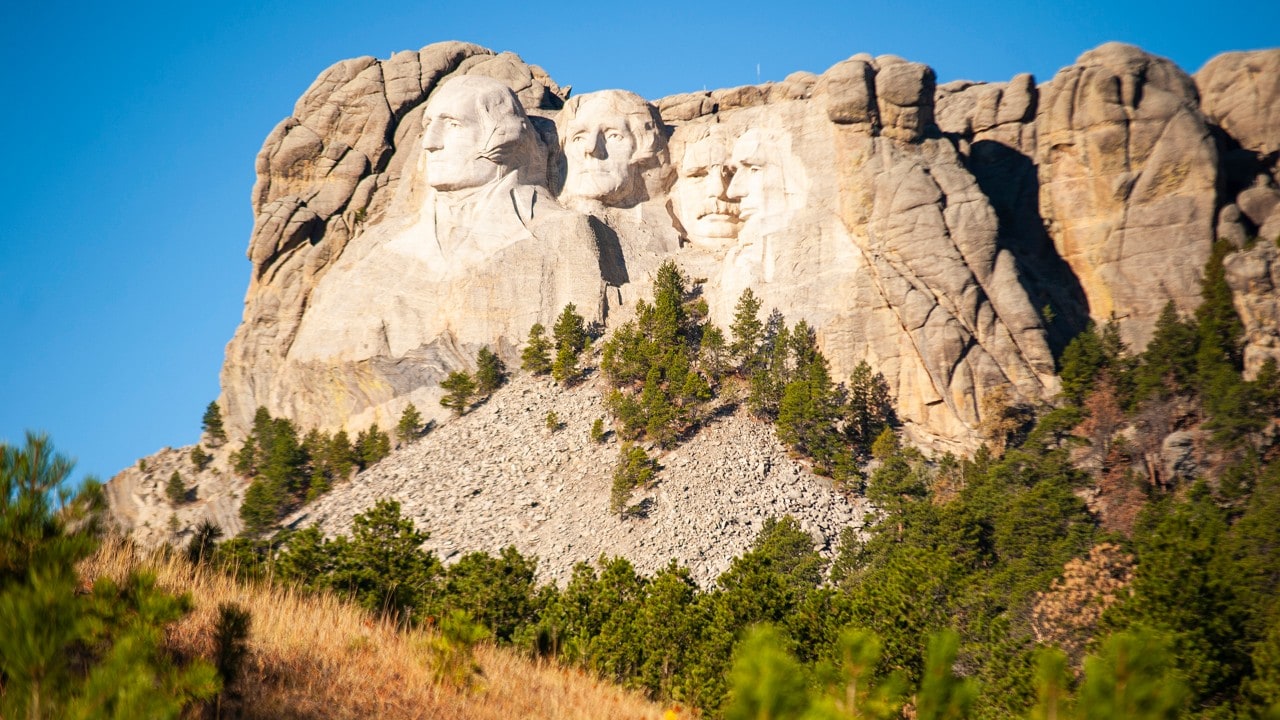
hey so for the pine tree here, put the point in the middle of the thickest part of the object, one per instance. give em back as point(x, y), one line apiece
point(570, 337)
point(410, 424)
point(243, 461)
point(261, 507)
point(490, 372)
point(870, 407)
point(175, 489)
point(536, 356)
point(340, 457)
point(1088, 354)
point(713, 352)
point(670, 318)
point(767, 681)
point(200, 458)
point(65, 651)
point(383, 564)
point(771, 372)
point(1132, 678)
point(372, 445)
point(1219, 325)
point(634, 469)
point(659, 412)
point(203, 542)
point(212, 424)
point(942, 695)
point(459, 389)
point(746, 329)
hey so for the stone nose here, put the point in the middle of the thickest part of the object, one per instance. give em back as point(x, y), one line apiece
point(722, 177)
point(735, 189)
point(433, 138)
point(595, 146)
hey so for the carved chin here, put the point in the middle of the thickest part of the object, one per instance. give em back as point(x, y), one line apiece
point(596, 185)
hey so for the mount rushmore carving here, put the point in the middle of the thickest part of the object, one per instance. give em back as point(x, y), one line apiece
point(415, 209)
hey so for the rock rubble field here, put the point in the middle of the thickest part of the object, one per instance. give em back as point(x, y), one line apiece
point(498, 476)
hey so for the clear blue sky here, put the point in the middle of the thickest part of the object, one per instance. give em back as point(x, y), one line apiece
point(131, 131)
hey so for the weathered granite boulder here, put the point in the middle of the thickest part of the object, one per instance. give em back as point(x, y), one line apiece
point(1254, 277)
point(1240, 93)
point(1128, 183)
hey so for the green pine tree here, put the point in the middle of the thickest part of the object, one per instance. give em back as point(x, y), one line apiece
point(175, 489)
point(766, 681)
point(200, 458)
point(211, 424)
point(372, 445)
point(746, 329)
point(490, 373)
point(536, 356)
point(459, 389)
point(634, 469)
point(410, 424)
point(570, 337)
point(1132, 678)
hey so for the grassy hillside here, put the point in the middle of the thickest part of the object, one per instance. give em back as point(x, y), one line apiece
point(318, 656)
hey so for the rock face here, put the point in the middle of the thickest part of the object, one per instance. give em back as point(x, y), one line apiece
point(325, 174)
point(1240, 94)
point(141, 507)
point(415, 209)
point(1128, 183)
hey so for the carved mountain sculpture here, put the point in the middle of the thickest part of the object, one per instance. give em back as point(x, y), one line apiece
point(415, 209)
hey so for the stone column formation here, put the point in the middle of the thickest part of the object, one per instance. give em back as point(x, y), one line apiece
point(412, 210)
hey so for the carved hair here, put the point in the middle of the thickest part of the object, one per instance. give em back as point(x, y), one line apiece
point(511, 141)
point(642, 120)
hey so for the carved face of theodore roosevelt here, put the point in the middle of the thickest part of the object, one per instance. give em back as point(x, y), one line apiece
point(701, 195)
point(474, 133)
point(609, 138)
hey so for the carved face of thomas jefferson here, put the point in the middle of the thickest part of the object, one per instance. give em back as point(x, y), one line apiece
point(608, 138)
point(474, 132)
point(758, 183)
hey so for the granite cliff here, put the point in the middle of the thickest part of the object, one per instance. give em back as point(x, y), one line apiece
point(923, 229)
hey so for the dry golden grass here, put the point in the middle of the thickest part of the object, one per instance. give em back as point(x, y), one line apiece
point(316, 656)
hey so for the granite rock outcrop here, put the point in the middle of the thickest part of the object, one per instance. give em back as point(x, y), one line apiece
point(954, 237)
